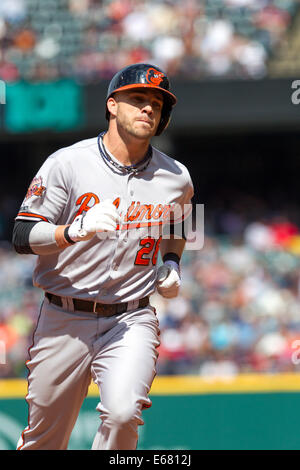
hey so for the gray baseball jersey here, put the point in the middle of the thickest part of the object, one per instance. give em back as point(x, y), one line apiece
point(119, 268)
point(72, 347)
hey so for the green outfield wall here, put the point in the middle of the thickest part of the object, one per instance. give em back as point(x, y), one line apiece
point(190, 413)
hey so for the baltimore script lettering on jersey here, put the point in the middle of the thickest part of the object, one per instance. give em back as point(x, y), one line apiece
point(144, 214)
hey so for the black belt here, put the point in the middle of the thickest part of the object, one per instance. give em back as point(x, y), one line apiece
point(105, 310)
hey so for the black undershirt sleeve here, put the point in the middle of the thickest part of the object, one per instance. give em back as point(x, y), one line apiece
point(20, 238)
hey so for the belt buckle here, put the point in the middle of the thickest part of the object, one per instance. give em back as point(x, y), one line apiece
point(101, 311)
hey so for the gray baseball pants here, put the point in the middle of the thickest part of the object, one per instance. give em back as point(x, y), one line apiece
point(70, 349)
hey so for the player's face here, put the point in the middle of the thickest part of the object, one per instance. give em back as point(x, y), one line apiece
point(138, 111)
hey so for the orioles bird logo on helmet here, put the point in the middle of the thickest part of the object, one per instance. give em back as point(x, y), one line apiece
point(154, 76)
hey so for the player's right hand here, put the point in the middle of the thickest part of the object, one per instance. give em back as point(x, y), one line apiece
point(102, 217)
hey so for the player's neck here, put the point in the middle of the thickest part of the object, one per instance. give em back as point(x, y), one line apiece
point(127, 152)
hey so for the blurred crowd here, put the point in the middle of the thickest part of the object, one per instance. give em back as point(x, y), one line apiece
point(237, 312)
point(90, 40)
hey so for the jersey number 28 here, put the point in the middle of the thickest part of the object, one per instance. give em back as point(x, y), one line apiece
point(148, 252)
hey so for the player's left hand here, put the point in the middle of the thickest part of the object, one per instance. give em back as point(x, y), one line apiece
point(168, 280)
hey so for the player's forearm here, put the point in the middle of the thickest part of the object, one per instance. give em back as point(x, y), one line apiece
point(172, 245)
point(40, 238)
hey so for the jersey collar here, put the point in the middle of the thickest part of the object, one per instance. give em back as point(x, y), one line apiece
point(125, 169)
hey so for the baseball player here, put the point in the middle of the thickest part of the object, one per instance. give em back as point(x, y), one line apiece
point(93, 215)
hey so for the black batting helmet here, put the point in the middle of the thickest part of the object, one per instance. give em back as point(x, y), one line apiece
point(144, 76)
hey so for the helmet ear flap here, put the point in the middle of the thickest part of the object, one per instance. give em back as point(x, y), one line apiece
point(164, 120)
